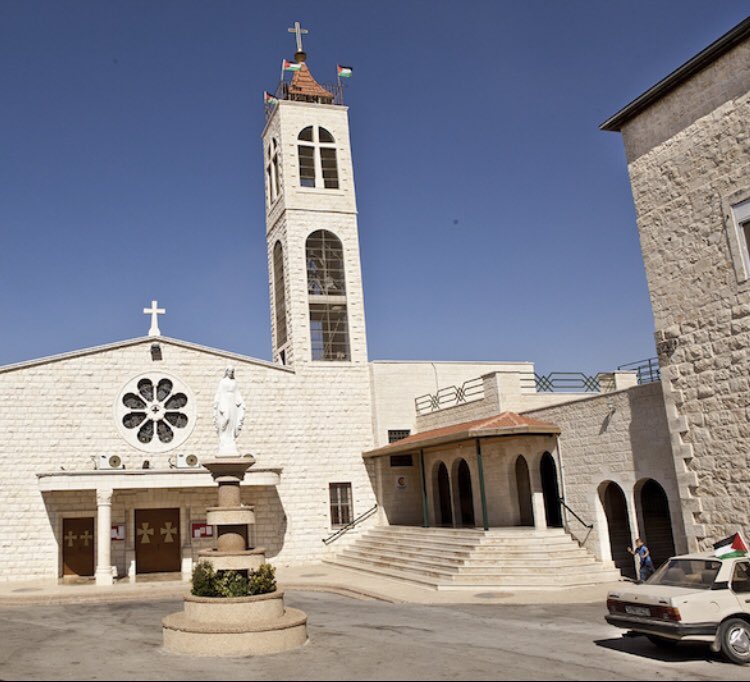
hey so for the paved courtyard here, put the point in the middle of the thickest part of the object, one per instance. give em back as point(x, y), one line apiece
point(351, 639)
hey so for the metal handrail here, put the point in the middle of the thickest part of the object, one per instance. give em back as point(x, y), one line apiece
point(647, 370)
point(562, 501)
point(344, 529)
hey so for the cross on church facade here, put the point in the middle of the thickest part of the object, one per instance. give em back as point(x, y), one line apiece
point(299, 31)
point(154, 310)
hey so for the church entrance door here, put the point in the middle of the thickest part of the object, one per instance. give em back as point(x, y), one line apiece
point(78, 547)
point(157, 541)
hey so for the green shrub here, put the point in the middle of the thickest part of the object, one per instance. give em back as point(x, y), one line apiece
point(230, 584)
point(262, 581)
point(204, 580)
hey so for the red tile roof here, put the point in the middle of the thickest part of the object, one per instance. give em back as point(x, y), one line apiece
point(303, 84)
point(503, 424)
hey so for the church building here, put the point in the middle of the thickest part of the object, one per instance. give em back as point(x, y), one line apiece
point(418, 470)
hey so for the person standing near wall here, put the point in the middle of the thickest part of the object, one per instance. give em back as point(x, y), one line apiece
point(647, 564)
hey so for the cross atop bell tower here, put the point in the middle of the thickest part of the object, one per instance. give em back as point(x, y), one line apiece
point(297, 29)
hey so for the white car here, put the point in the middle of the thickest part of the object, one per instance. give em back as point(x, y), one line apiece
point(695, 598)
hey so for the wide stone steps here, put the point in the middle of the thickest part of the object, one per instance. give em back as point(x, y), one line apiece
point(446, 558)
point(480, 581)
point(478, 560)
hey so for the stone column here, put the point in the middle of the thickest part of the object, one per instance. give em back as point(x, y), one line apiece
point(104, 537)
point(537, 495)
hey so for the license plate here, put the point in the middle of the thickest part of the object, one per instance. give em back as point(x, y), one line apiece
point(638, 611)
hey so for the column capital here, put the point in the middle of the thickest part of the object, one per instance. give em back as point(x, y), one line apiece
point(103, 496)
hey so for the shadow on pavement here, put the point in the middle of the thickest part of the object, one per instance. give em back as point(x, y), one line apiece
point(685, 652)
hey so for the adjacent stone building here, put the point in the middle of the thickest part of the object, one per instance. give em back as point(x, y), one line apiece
point(687, 142)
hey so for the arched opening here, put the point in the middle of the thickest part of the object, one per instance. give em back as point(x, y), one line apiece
point(523, 486)
point(465, 496)
point(279, 295)
point(548, 470)
point(443, 510)
point(618, 528)
point(657, 523)
point(326, 288)
point(317, 160)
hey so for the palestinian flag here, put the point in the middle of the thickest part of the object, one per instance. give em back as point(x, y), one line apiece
point(730, 547)
point(290, 66)
point(344, 71)
point(269, 99)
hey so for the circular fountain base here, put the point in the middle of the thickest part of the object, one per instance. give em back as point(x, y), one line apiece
point(245, 626)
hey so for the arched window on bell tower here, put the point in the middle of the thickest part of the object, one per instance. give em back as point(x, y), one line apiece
point(272, 171)
point(326, 290)
point(279, 300)
point(318, 166)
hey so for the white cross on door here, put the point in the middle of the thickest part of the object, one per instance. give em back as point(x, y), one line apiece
point(144, 532)
point(70, 537)
point(86, 536)
point(168, 532)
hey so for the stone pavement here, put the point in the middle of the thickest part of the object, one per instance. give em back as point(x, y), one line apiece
point(352, 639)
point(311, 577)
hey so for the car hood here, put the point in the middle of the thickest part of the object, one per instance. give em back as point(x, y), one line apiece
point(651, 594)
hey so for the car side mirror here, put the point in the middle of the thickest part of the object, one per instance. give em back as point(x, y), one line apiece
point(741, 586)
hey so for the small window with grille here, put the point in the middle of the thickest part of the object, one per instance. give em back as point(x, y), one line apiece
point(397, 434)
point(342, 507)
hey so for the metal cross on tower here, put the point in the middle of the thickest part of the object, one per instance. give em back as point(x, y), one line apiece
point(299, 31)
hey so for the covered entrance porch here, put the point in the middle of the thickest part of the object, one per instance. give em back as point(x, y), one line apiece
point(128, 523)
point(490, 473)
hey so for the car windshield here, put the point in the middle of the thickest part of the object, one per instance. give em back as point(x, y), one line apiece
point(696, 574)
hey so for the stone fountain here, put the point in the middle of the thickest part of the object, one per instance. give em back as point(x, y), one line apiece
point(241, 626)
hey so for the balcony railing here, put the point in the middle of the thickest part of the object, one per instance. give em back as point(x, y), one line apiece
point(468, 392)
point(647, 370)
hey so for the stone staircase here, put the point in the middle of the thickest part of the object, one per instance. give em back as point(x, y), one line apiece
point(453, 558)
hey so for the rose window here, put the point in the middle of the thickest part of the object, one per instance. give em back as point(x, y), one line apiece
point(155, 412)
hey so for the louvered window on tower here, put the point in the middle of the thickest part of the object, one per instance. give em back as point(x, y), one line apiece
point(272, 172)
point(279, 294)
point(318, 165)
point(326, 287)
point(307, 166)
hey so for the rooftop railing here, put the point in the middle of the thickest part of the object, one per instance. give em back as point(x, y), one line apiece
point(283, 92)
point(647, 371)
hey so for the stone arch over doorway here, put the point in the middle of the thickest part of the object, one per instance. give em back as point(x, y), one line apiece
point(551, 491)
point(442, 495)
point(656, 521)
point(523, 488)
point(464, 494)
point(617, 522)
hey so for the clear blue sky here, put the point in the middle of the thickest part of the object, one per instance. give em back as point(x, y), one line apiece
point(496, 221)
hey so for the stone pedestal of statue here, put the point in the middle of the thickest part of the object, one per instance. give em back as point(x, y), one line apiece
point(243, 626)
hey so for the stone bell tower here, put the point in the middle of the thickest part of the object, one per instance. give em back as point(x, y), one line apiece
point(317, 310)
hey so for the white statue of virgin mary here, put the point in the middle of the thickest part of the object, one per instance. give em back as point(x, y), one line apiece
point(229, 413)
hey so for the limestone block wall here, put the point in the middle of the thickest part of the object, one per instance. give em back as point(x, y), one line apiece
point(689, 161)
point(60, 413)
point(621, 437)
